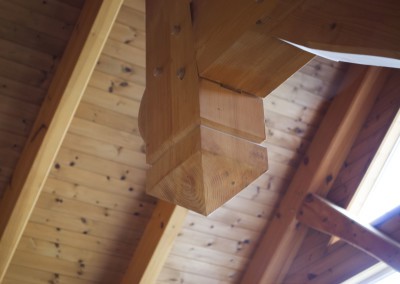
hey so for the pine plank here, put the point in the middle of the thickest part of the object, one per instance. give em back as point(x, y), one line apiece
point(112, 84)
point(106, 117)
point(14, 125)
point(84, 225)
point(132, 17)
point(125, 70)
point(299, 113)
point(20, 91)
point(106, 134)
point(18, 108)
point(99, 198)
point(67, 157)
point(237, 246)
point(26, 36)
point(129, 35)
point(213, 271)
point(168, 275)
point(125, 52)
point(279, 121)
point(79, 270)
point(71, 254)
point(138, 211)
point(93, 180)
point(27, 56)
point(138, 5)
point(106, 151)
point(24, 74)
point(205, 254)
point(54, 117)
point(19, 274)
point(20, 15)
point(79, 241)
point(52, 8)
point(111, 101)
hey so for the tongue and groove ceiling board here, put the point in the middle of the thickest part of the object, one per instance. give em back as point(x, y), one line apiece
point(93, 211)
point(29, 54)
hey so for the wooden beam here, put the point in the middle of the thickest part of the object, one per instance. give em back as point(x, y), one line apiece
point(257, 64)
point(322, 215)
point(342, 260)
point(365, 28)
point(241, 47)
point(316, 173)
point(215, 31)
point(155, 244)
point(229, 51)
point(55, 115)
point(201, 138)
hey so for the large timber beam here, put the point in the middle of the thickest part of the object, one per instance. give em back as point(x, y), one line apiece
point(316, 174)
point(55, 115)
point(365, 28)
point(201, 137)
point(242, 46)
point(324, 216)
point(230, 51)
point(155, 244)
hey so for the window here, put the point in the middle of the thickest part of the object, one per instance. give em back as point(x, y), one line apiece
point(378, 192)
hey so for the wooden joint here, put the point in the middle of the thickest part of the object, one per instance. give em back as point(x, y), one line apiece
point(201, 139)
point(324, 216)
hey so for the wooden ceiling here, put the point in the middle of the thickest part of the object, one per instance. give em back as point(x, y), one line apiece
point(91, 221)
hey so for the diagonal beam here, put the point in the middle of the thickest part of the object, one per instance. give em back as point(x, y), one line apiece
point(155, 244)
point(55, 115)
point(322, 215)
point(342, 260)
point(321, 163)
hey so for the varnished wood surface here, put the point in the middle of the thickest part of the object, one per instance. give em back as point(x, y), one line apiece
point(29, 55)
point(95, 193)
point(315, 247)
point(55, 115)
point(324, 216)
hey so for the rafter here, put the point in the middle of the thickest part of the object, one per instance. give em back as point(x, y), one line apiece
point(322, 215)
point(316, 173)
point(55, 115)
point(155, 244)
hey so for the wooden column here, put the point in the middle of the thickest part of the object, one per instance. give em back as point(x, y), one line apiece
point(322, 215)
point(319, 167)
point(201, 137)
point(64, 94)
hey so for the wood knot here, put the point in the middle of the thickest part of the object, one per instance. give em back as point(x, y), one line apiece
point(180, 73)
point(176, 29)
point(158, 71)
